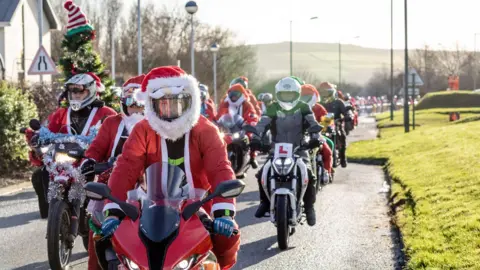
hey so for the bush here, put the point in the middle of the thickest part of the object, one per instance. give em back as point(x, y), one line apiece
point(449, 99)
point(16, 110)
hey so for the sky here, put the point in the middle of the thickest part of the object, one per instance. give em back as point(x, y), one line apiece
point(441, 24)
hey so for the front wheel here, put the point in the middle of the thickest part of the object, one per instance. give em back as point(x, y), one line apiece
point(283, 229)
point(58, 229)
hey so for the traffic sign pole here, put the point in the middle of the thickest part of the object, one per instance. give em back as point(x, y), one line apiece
point(40, 29)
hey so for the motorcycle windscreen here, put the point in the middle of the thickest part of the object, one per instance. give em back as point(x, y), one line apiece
point(167, 189)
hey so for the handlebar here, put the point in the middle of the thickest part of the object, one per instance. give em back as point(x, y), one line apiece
point(100, 168)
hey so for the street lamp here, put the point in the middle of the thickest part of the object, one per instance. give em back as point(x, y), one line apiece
point(214, 49)
point(340, 60)
point(406, 120)
point(391, 60)
point(191, 7)
point(139, 27)
point(291, 45)
point(475, 72)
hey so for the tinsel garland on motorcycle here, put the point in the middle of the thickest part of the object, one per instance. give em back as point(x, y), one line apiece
point(64, 169)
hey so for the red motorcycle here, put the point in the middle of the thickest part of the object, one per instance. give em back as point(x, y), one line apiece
point(163, 228)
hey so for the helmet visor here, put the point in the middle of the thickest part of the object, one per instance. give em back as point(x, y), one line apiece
point(287, 96)
point(170, 107)
point(76, 88)
point(306, 98)
point(234, 95)
point(129, 100)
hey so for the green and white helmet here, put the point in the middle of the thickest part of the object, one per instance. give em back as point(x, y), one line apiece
point(287, 92)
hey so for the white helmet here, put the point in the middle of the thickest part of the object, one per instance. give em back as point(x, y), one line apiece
point(83, 82)
point(287, 92)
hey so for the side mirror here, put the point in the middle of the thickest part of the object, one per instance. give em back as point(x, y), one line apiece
point(250, 129)
point(97, 191)
point(226, 189)
point(34, 124)
point(76, 153)
point(229, 189)
point(315, 129)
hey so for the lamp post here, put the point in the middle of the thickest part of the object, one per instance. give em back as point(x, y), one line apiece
point(139, 27)
point(291, 45)
point(214, 49)
point(406, 120)
point(191, 7)
point(340, 60)
point(391, 60)
point(475, 72)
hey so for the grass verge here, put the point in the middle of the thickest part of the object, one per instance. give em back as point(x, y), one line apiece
point(435, 189)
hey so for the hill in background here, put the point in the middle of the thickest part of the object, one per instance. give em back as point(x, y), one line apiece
point(321, 59)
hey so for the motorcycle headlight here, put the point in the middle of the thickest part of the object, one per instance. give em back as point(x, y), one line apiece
point(186, 264)
point(236, 135)
point(44, 149)
point(131, 265)
point(64, 158)
point(283, 166)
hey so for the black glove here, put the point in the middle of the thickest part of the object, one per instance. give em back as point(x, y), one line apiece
point(314, 143)
point(34, 140)
point(87, 167)
point(256, 144)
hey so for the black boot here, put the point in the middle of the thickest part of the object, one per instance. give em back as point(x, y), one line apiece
point(343, 157)
point(311, 217)
point(39, 187)
point(264, 206)
point(263, 209)
point(253, 163)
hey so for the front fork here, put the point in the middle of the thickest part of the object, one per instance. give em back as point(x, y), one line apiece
point(75, 208)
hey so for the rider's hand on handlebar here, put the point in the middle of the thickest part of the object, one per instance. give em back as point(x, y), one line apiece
point(87, 167)
point(255, 144)
point(110, 225)
point(224, 226)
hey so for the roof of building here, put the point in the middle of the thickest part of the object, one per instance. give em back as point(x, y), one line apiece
point(9, 7)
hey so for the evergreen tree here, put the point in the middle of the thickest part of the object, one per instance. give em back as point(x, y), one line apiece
point(78, 55)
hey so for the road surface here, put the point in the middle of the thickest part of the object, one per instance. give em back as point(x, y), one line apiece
point(352, 230)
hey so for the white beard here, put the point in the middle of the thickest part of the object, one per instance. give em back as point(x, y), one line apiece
point(132, 120)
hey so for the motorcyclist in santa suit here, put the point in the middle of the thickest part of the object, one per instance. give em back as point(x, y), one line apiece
point(175, 132)
point(108, 144)
point(207, 108)
point(85, 111)
point(336, 106)
point(267, 100)
point(288, 119)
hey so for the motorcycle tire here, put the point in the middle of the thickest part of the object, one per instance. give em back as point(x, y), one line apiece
point(58, 230)
point(319, 179)
point(283, 228)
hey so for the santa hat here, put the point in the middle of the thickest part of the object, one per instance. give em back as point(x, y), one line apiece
point(134, 82)
point(326, 86)
point(170, 80)
point(310, 90)
point(98, 82)
point(238, 87)
point(77, 21)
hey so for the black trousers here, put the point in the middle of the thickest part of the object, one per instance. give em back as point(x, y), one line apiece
point(310, 195)
point(40, 180)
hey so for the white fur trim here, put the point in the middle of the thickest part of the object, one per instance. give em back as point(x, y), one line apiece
point(111, 205)
point(237, 103)
point(223, 206)
point(177, 128)
point(131, 85)
point(100, 88)
point(141, 97)
point(172, 90)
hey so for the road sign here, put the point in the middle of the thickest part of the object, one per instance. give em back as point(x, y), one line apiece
point(418, 80)
point(42, 64)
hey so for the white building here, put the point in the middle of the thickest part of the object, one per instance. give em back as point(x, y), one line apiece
point(19, 39)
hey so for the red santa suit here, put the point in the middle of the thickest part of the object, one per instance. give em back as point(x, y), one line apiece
point(242, 106)
point(319, 111)
point(109, 143)
point(204, 152)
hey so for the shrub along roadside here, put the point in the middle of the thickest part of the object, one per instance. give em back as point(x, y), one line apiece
point(16, 110)
point(436, 191)
point(449, 99)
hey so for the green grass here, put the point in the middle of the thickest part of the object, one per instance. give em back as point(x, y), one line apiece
point(435, 190)
point(449, 99)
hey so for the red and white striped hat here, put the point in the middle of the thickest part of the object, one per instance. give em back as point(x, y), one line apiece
point(77, 20)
